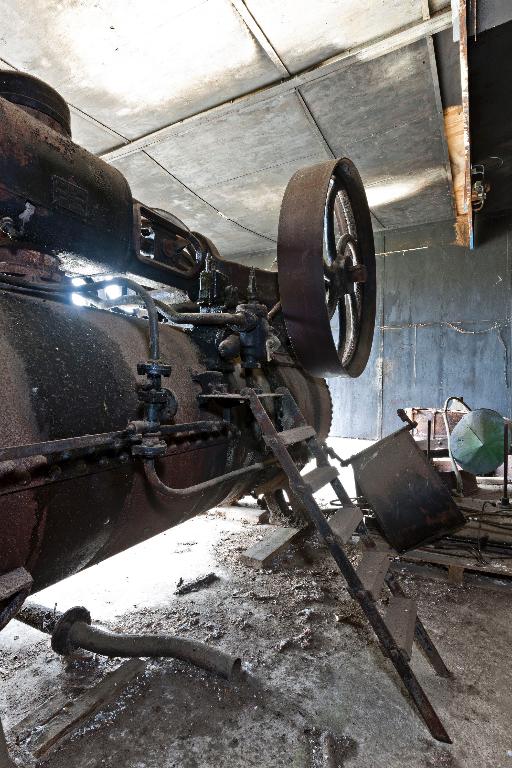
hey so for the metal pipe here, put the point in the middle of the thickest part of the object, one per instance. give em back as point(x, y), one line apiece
point(276, 309)
point(114, 644)
point(458, 477)
point(146, 298)
point(239, 319)
point(505, 502)
point(174, 314)
point(108, 440)
point(72, 630)
point(102, 440)
point(165, 490)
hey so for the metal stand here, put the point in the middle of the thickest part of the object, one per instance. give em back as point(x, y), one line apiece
point(401, 626)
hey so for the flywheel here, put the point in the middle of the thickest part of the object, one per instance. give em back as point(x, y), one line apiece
point(326, 269)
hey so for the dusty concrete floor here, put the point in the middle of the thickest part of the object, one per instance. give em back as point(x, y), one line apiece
point(312, 665)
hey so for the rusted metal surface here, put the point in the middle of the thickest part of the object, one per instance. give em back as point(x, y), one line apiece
point(37, 97)
point(326, 261)
point(75, 374)
point(30, 264)
point(410, 501)
point(14, 581)
point(81, 205)
point(74, 439)
point(433, 416)
point(81, 208)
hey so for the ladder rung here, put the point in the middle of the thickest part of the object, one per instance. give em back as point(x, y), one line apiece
point(320, 476)
point(345, 521)
point(372, 570)
point(296, 435)
point(401, 621)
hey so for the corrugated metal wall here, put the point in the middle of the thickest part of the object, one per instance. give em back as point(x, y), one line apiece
point(443, 328)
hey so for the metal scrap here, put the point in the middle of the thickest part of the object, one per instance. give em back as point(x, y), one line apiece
point(185, 587)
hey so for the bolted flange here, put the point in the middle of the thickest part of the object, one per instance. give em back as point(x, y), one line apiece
point(61, 642)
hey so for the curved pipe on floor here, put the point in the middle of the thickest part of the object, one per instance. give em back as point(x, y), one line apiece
point(72, 631)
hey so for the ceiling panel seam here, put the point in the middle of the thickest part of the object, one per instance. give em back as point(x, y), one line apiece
point(366, 52)
point(320, 136)
point(258, 170)
point(208, 204)
point(426, 116)
point(259, 35)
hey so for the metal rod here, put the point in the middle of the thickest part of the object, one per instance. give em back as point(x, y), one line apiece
point(106, 440)
point(421, 635)
point(276, 309)
point(429, 437)
point(146, 298)
point(456, 472)
point(173, 493)
point(238, 319)
point(505, 501)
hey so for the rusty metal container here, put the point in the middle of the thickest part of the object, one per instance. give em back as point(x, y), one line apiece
point(79, 203)
point(411, 503)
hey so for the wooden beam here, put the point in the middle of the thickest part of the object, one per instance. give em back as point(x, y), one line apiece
point(366, 52)
point(261, 554)
point(59, 716)
point(454, 130)
point(465, 221)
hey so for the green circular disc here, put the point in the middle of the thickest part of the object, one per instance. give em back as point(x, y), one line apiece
point(477, 441)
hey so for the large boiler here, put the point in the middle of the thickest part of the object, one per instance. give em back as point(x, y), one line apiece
point(107, 403)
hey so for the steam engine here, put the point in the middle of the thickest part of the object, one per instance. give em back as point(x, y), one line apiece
point(107, 403)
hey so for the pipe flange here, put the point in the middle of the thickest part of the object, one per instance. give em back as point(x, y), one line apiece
point(61, 642)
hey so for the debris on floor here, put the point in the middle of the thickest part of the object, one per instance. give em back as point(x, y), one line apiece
point(328, 685)
point(184, 587)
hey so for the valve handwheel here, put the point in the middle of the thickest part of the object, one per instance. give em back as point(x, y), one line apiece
point(326, 269)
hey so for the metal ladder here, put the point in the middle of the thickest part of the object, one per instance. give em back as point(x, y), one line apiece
point(400, 627)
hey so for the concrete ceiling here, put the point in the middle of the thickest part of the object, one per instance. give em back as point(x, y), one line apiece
point(209, 106)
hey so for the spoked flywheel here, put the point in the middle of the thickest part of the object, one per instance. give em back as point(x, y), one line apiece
point(326, 269)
